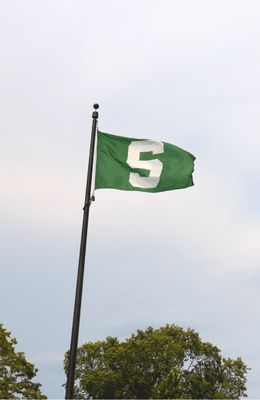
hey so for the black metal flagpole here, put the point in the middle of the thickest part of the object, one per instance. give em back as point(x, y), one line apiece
point(77, 306)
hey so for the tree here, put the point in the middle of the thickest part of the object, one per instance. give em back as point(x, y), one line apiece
point(163, 363)
point(15, 372)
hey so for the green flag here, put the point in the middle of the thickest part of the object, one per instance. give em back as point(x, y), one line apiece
point(140, 164)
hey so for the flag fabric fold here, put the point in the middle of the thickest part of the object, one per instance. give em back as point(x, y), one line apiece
point(141, 164)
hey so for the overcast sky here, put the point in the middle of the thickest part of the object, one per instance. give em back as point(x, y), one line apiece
point(180, 71)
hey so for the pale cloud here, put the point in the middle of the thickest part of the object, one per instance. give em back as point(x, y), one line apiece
point(47, 358)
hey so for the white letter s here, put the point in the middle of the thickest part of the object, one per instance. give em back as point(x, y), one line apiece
point(155, 166)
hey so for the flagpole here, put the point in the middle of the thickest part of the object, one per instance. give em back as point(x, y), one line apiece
point(78, 296)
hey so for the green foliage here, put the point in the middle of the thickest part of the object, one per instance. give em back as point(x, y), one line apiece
point(170, 387)
point(15, 372)
point(164, 363)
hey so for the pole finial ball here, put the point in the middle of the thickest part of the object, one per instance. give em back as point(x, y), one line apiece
point(96, 106)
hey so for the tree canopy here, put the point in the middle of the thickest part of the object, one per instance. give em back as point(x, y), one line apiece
point(165, 363)
point(15, 372)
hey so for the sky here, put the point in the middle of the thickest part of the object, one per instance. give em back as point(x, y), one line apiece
point(180, 71)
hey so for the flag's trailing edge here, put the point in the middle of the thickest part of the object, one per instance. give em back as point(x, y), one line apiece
point(139, 164)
